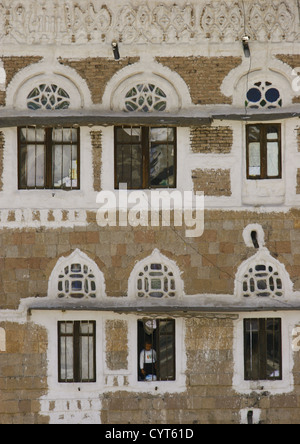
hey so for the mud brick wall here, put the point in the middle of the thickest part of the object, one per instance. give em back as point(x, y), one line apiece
point(12, 65)
point(203, 75)
point(23, 374)
point(294, 62)
point(211, 140)
point(96, 138)
point(212, 182)
point(116, 345)
point(209, 265)
point(97, 72)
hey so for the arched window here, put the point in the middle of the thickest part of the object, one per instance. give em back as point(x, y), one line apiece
point(76, 280)
point(262, 276)
point(156, 280)
point(156, 277)
point(76, 277)
point(145, 97)
point(263, 95)
point(156, 89)
point(262, 280)
point(48, 97)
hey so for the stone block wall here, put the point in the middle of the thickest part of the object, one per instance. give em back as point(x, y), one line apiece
point(23, 374)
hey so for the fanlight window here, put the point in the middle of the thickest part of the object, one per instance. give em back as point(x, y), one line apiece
point(262, 280)
point(145, 97)
point(77, 281)
point(48, 97)
point(263, 95)
point(156, 280)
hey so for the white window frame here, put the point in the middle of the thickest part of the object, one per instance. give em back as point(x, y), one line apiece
point(239, 383)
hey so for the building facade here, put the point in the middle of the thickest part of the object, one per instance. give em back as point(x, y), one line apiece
point(114, 316)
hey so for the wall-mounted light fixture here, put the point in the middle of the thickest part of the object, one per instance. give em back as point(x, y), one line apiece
point(245, 41)
point(115, 48)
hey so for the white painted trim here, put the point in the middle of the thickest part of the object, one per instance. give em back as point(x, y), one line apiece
point(156, 257)
point(48, 71)
point(147, 70)
point(77, 257)
point(286, 385)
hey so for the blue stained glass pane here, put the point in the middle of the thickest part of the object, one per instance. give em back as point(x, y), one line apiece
point(272, 95)
point(254, 95)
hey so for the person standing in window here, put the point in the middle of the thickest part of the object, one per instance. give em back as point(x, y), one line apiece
point(148, 362)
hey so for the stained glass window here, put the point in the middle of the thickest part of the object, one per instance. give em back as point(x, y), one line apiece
point(48, 97)
point(145, 97)
point(263, 95)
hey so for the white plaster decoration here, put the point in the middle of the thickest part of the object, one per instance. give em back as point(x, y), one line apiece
point(156, 277)
point(96, 21)
point(35, 218)
point(50, 74)
point(2, 77)
point(259, 232)
point(174, 92)
point(145, 97)
point(264, 70)
point(76, 277)
point(263, 277)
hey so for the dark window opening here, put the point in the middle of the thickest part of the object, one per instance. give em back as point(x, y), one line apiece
point(49, 158)
point(264, 151)
point(145, 157)
point(262, 349)
point(77, 351)
point(254, 239)
point(156, 350)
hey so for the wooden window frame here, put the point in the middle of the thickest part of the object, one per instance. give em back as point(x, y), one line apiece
point(261, 353)
point(77, 359)
point(145, 144)
point(263, 151)
point(159, 334)
point(48, 143)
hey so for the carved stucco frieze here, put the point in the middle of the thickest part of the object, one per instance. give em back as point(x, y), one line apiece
point(99, 21)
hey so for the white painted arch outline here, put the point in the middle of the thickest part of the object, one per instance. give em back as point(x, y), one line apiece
point(175, 88)
point(77, 257)
point(48, 72)
point(158, 258)
point(242, 78)
point(263, 257)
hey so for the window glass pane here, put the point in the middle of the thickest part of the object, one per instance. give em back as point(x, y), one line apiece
point(32, 134)
point(162, 165)
point(262, 349)
point(129, 135)
point(35, 165)
point(166, 358)
point(273, 159)
point(87, 357)
point(64, 166)
point(64, 135)
point(254, 159)
point(272, 133)
point(251, 346)
point(273, 331)
point(129, 165)
point(254, 133)
point(66, 358)
point(161, 134)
